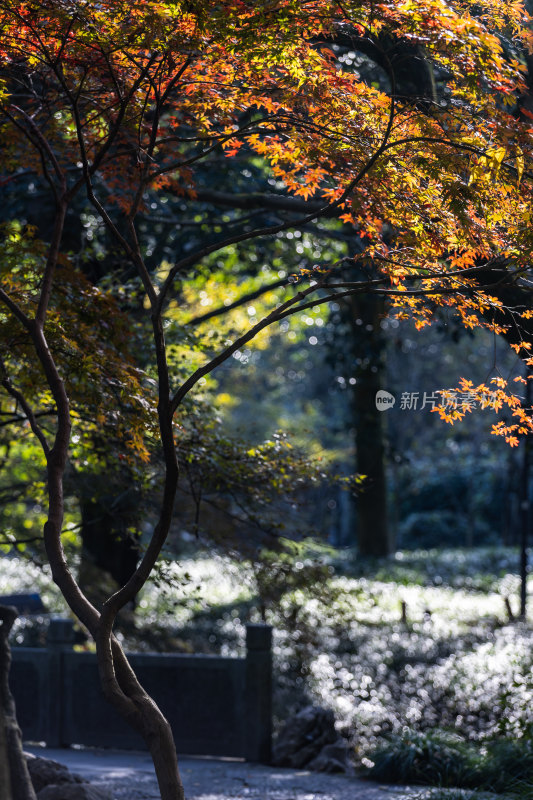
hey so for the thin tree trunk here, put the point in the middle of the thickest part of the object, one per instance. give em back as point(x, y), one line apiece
point(16, 784)
point(119, 683)
point(163, 752)
point(127, 695)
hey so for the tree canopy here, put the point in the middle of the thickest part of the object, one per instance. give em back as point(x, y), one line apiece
point(129, 102)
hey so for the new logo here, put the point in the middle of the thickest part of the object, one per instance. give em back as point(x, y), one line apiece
point(384, 400)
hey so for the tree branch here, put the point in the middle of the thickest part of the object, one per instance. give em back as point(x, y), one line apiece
point(274, 316)
point(246, 298)
point(269, 230)
point(21, 400)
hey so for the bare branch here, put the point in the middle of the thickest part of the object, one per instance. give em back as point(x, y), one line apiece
point(16, 310)
point(44, 146)
point(262, 200)
point(274, 316)
point(289, 308)
point(51, 263)
point(23, 403)
point(269, 230)
point(246, 298)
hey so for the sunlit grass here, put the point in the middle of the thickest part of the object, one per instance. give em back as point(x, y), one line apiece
point(455, 662)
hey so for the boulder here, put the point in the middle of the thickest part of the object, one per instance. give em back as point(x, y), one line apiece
point(53, 781)
point(304, 737)
point(332, 758)
point(44, 771)
point(73, 791)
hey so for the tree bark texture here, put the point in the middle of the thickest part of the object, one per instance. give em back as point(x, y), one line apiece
point(15, 781)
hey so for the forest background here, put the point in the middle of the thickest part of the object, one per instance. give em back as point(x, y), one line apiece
point(264, 467)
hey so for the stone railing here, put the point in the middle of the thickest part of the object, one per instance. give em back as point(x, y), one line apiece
point(216, 706)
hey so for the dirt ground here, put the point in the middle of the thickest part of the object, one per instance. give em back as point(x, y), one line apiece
point(130, 776)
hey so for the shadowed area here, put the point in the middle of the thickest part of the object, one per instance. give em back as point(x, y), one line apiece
point(130, 776)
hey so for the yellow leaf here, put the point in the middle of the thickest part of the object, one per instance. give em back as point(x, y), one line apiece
point(519, 164)
point(496, 154)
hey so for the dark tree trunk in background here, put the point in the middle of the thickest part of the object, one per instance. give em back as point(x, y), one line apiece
point(15, 782)
point(525, 512)
point(409, 71)
point(374, 537)
point(110, 508)
point(109, 550)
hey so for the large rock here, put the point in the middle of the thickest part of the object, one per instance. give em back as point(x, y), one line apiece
point(73, 791)
point(332, 758)
point(44, 771)
point(53, 781)
point(304, 737)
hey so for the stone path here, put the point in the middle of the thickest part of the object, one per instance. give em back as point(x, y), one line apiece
point(130, 776)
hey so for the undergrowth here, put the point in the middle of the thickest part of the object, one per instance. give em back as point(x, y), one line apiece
point(440, 758)
point(454, 662)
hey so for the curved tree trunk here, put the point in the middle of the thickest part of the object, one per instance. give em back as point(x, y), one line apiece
point(123, 690)
point(15, 781)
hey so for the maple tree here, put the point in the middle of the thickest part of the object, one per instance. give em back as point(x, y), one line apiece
point(126, 103)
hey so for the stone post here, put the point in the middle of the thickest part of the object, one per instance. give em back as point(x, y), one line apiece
point(60, 638)
point(258, 693)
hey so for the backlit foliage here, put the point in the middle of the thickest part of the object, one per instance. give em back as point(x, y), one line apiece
point(124, 100)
